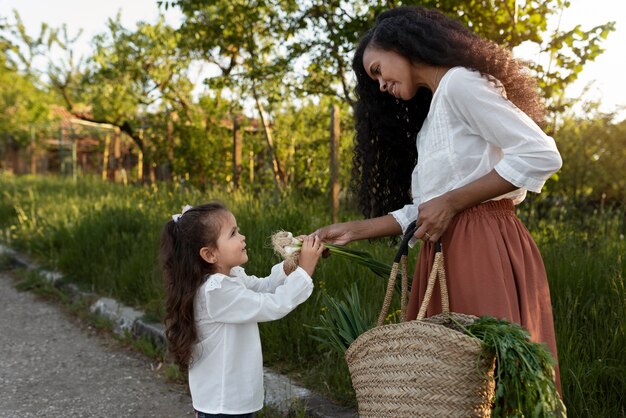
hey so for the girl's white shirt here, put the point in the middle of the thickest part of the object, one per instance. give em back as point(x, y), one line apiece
point(226, 373)
point(471, 129)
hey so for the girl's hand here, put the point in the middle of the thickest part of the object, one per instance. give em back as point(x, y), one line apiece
point(310, 253)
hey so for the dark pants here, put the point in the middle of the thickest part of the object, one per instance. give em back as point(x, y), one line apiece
point(204, 415)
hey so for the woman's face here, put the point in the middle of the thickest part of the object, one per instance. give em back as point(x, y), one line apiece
point(395, 74)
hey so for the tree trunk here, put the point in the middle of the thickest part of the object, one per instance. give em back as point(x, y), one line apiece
point(334, 163)
point(33, 152)
point(237, 145)
point(279, 175)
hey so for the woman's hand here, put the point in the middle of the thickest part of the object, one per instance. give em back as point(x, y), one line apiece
point(434, 217)
point(339, 234)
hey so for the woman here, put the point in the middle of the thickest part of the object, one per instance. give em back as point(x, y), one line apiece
point(461, 115)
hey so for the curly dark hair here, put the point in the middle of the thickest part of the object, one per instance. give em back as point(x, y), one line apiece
point(385, 152)
point(184, 271)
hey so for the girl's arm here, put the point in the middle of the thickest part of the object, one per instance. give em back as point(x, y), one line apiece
point(232, 302)
point(263, 284)
point(309, 255)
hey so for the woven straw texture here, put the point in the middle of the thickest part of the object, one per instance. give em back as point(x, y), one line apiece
point(421, 368)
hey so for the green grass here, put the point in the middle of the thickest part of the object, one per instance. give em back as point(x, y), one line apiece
point(104, 238)
point(32, 281)
point(586, 266)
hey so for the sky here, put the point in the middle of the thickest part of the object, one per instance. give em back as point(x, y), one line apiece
point(603, 78)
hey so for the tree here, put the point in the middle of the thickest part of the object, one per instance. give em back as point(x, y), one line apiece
point(130, 76)
point(25, 49)
point(23, 100)
point(569, 51)
point(279, 57)
point(593, 150)
point(242, 39)
point(328, 31)
point(303, 131)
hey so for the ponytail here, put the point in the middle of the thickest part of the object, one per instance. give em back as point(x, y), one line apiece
point(184, 271)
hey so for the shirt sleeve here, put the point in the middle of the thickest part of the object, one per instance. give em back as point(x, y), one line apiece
point(232, 302)
point(530, 156)
point(405, 216)
point(264, 284)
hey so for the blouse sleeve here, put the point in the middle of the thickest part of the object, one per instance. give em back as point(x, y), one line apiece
point(530, 156)
point(232, 302)
point(264, 284)
point(405, 215)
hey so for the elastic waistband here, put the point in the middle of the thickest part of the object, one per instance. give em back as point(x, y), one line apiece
point(493, 207)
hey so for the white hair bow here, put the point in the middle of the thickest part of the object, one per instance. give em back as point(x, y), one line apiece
point(177, 216)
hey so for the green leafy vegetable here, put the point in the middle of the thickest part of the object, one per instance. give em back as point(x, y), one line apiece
point(524, 372)
point(342, 321)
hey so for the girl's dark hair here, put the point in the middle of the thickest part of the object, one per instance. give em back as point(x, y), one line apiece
point(184, 271)
point(385, 152)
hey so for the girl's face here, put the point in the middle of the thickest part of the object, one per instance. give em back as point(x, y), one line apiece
point(395, 74)
point(231, 246)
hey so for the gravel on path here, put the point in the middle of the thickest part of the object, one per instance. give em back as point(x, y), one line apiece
point(50, 366)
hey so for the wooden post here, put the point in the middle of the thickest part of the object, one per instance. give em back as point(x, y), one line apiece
point(334, 163)
point(105, 156)
point(6, 166)
point(61, 156)
point(14, 158)
point(33, 152)
point(251, 167)
point(74, 154)
point(167, 174)
point(140, 166)
point(140, 159)
point(237, 145)
point(117, 154)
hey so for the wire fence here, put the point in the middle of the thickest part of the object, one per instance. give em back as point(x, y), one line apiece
point(74, 147)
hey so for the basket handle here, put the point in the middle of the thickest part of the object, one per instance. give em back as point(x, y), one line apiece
point(399, 260)
point(437, 270)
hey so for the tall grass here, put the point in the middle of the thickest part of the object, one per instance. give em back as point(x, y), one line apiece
point(105, 238)
point(585, 258)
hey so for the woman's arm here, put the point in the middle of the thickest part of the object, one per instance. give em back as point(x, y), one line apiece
point(346, 232)
point(436, 214)
point(529, 156)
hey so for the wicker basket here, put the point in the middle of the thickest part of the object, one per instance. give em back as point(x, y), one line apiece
point(421, 368)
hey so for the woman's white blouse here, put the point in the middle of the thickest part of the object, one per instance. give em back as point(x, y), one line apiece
point(470, 130)
point(226, 373)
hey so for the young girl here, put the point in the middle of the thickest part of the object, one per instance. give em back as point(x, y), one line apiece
point(213, 307)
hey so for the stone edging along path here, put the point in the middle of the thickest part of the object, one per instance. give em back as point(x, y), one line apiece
point(280, 391)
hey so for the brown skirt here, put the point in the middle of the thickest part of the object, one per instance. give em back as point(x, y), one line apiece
point(494, 268)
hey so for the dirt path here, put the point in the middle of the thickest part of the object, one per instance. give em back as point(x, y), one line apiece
point(50, 366)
